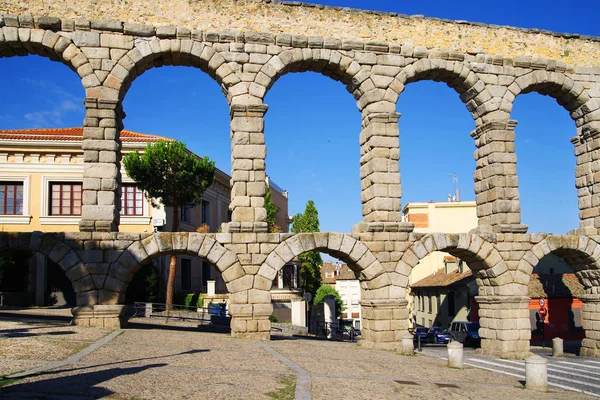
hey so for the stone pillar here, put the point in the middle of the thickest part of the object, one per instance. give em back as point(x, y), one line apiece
point(384, 323)
point(587, 181)
point(251, 320)
point(102, 162)
point(380, 174)
point(590, 345)
point(101, 316)
point(496, 182)
point(505, 327)
point(248, 152)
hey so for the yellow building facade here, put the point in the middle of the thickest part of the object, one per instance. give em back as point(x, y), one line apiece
point(41, 179)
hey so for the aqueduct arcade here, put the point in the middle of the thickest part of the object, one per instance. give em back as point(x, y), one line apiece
point(108, 54)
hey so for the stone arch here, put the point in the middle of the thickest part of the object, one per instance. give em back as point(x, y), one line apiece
point(352, 251)
point(331, 63)
point(147, 54)
point(455, 74)
point(46, 43)
point(58, 251)
point(571, 95)
point(490, 270)
point(121, 271)
point(582, 253)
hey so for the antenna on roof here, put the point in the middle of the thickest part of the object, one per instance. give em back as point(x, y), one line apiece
point(456, 196)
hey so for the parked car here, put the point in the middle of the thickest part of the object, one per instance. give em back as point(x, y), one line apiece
point(437, 335)
point(421, 333)
point(465, 332)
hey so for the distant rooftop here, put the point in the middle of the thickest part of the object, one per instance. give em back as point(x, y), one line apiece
point(72, 135)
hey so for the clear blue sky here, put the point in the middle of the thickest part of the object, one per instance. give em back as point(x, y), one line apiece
point(313, 124)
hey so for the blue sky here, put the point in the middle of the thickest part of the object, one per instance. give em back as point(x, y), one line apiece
point(312, 125)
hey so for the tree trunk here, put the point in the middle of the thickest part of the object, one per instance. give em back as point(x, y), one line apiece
point(172, 264)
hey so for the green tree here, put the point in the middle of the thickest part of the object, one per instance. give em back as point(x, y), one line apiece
point(174, 176)
point(310, 269)
point(326, 290)
point(271, 210)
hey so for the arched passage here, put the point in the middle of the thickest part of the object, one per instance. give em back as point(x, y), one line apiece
point(195, 244)
point(582, 254)
point(370, 96)
point(383, 306)
point(439, 142)
point(574, 98)
point(502, 301)
point(58, 250)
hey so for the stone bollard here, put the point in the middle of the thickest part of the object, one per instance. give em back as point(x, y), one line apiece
point(456, 355)
point(557, 347)
point(408, 344)
point(536, 373)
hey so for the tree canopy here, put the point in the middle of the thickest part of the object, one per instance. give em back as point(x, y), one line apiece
point(168, 172)
point(310, 270)
point(174, 176)
point(271, 211)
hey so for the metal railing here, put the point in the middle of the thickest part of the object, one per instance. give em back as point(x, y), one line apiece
point(180, 312)
point(335, 331)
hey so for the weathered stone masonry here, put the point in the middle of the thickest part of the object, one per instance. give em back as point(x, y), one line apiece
point(108, 55)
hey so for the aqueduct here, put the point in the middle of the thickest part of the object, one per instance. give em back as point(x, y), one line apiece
point(242, 46)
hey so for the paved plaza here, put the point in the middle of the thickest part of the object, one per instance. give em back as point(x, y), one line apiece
point(69, 362)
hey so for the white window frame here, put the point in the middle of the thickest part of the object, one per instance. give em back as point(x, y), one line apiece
point(143, 219)
point(25, 218)
point(45, 217)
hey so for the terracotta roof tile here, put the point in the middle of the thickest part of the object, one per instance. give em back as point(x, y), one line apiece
point(555, 286)
point(72, 135)
point(441, 279)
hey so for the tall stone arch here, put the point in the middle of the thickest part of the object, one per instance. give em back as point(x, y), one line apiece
point(585, 112)
point(457, 75)
point(502, 302)
point(47, 42)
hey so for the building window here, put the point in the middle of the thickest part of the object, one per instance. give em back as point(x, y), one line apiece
point(438, 298)
point(186, 274)
point(430, 304)
point(205, 212)
point(65, 198)
point(11, 198)
point(187, 214)
point(132, 200)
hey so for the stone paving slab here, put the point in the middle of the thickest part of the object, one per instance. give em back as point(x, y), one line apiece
point(164, 364)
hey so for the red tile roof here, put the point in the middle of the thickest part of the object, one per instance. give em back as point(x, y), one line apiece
point(72, 135)
point(441, 279)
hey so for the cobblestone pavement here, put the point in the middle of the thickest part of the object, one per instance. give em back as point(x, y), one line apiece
point(176, 364)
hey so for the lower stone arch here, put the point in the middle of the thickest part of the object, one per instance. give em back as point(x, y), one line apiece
point(503, 313)
point(121, 271)
point(384, 309)
point(582, 253)
point(56, 248)
point(481, 256)
point(346, 248)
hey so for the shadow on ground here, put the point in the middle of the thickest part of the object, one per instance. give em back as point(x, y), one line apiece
point(88, 384)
